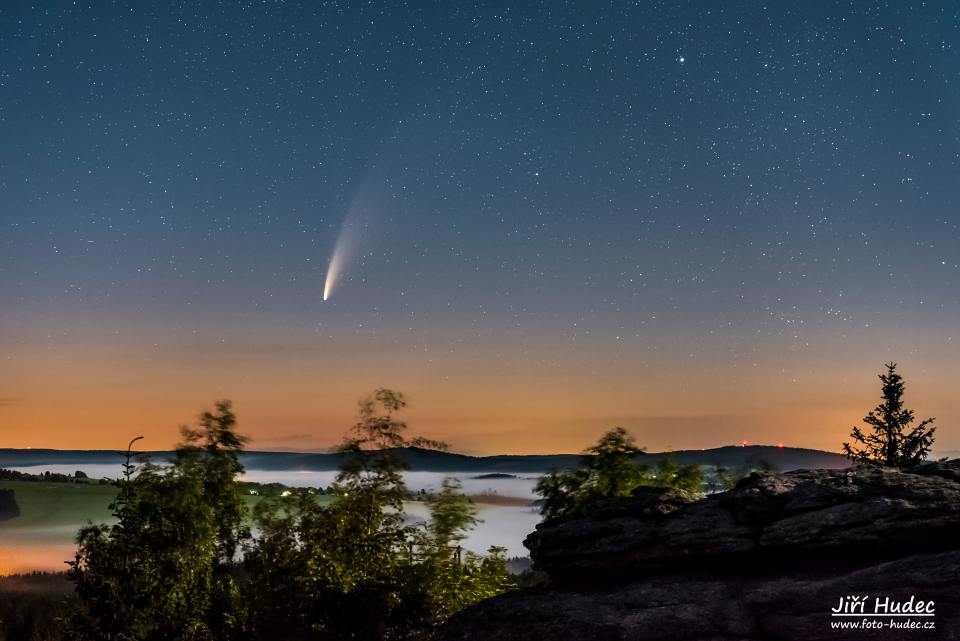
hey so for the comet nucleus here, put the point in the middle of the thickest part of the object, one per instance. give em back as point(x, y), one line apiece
point(348, 240)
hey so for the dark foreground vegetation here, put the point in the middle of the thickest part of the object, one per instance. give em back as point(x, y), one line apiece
point(610, 469)
point(891, 438)
point(180, 562)
point(32, 604)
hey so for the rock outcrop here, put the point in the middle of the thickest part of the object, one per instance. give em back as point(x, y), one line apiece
point(770, 559)
point(8, 505)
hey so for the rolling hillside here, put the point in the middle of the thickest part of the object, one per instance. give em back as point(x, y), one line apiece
point(780, 458)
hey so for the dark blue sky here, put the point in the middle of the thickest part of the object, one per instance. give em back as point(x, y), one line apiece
point(582, 211)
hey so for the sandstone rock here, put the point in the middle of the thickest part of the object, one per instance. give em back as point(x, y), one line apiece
point(766, 560)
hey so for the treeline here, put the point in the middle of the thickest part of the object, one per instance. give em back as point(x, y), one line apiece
point(51, 477)
point(609, 469)
point(246, 487)
point(279, 489)
point(31, 606)
point(180, 562)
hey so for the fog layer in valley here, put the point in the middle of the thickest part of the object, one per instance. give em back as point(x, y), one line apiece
point(501, 525)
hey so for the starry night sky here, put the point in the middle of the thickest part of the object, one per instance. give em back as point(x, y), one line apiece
point(708, 222)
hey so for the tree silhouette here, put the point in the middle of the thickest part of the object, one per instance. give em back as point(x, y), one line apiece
point(354, 568)
point(892, 441)
point(609, 469)
point(161, 571)
point(611, 462)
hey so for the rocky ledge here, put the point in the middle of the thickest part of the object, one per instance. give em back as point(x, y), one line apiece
point(771, 559)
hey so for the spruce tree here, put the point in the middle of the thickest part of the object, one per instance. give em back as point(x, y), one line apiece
point(891, 441)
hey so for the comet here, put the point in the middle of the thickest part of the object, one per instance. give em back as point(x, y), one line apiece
point(354, 224)
point(333, 270)
point(331, 277)
point(372, 200)
point(346, 240)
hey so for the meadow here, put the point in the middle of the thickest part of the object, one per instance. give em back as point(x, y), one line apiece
point(42, 537)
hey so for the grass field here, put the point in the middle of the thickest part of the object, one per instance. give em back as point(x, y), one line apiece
point(51, 505)
point(43, 536)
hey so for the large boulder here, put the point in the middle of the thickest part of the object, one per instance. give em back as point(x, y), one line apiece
point(769, 559)
point(8, 505)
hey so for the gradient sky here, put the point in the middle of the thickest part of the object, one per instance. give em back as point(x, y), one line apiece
point(707, 222)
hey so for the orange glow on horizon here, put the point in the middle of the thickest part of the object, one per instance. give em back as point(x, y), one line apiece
point(85, 396)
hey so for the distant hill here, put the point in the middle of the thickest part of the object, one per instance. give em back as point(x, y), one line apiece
point(783, 459)
point(10, 457)
point(780, 458)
